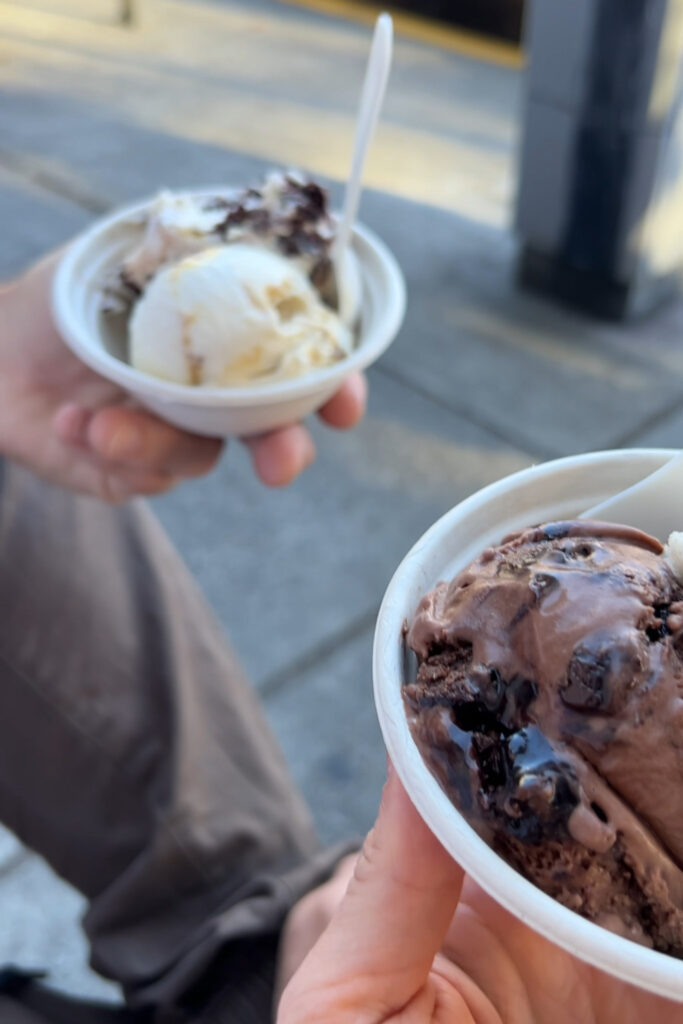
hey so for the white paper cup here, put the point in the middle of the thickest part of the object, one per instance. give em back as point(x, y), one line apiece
point(100, 341)
point(553, 491)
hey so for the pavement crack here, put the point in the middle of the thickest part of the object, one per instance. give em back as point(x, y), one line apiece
point(511, 439)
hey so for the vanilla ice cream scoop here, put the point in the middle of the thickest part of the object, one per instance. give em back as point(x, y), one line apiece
point(231, 316)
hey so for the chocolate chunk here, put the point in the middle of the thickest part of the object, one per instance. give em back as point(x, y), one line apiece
point(546, 789)
point(587, 686)
point(321, 273)
point(660, 629)
point(541, 584)
point(491, 757)
point(601, 671)
point(519, 694)
point(474, 716)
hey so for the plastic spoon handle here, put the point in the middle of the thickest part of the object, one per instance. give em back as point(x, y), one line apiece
point(654, 504)
point(372, 97)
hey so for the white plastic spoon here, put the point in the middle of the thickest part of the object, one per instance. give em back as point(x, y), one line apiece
point(372, 97)
point(654, 504)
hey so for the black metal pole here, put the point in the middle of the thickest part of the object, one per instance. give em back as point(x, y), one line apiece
point(612, 137)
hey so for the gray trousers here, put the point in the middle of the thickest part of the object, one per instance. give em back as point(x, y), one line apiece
point(136, 760)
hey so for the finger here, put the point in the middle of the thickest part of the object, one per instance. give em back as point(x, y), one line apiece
point(70, 425)
point(280, 456)
point(132, 437)
point(379, 948)
point(85, 473)
point(347, 407)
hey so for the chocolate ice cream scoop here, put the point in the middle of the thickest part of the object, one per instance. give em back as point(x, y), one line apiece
point(549, 704)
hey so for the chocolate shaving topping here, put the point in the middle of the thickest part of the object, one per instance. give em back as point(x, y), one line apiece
point(321, 272)
point(215, 203)
point(294, 212)
point(288, 210)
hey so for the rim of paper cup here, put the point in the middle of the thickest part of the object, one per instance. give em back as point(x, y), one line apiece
point(78, 336)
point(646, 968)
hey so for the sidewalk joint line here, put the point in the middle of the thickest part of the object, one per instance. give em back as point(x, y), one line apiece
point(651, 421)
point(511, 439)
point(278, 679)
point(52, 182)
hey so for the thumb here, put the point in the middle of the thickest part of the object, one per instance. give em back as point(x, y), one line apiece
point(377, 952)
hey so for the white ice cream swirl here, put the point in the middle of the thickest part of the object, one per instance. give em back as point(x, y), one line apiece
point(233, 316)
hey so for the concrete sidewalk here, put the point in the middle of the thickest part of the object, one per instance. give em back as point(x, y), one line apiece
point(482, 380)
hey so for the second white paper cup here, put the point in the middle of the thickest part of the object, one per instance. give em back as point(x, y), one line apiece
point(93, 257)
point(553, 491)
